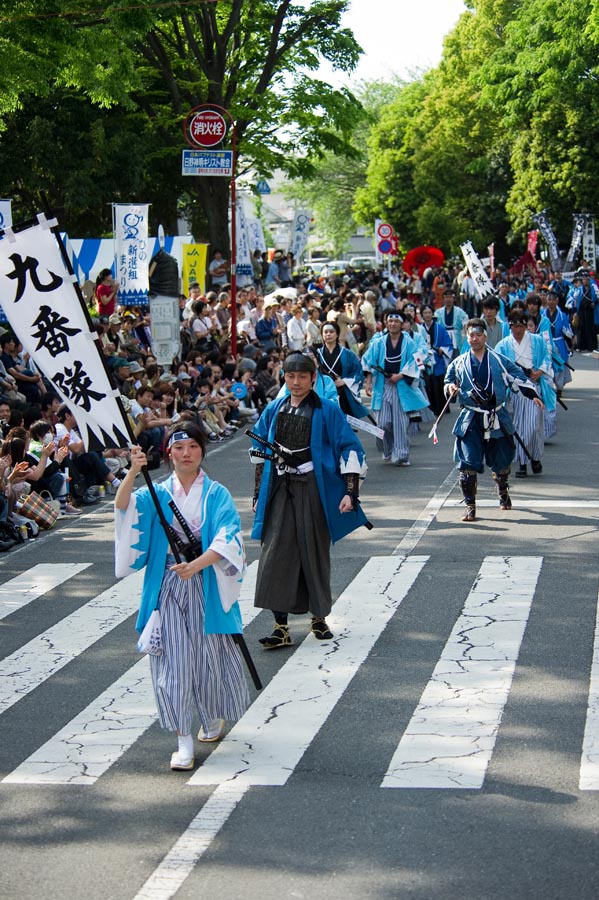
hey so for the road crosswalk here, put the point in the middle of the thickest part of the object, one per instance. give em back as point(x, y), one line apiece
point(448, 742)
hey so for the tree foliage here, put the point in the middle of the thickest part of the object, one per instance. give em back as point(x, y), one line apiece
point(257, 59)
point(337, 176)
point(505, 126)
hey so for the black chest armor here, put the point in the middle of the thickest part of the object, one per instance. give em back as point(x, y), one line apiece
point(293, 430)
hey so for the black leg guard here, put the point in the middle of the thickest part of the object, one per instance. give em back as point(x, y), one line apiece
point(468, 482)
point(501, 479)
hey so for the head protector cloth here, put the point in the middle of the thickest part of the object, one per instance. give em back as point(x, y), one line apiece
point(299, 362)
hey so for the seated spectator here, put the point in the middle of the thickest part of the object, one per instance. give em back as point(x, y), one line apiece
point(5, 412)
point(28, 382)
point(49, 404)
point(211, 414)
point(45, 458)
point(267, 376)
point(88, 464)
point(122, 376)
point(8, 386)
point(267, 330)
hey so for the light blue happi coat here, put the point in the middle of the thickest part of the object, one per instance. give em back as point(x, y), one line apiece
point(540, 360)
point(141, 541)
point(410, 396)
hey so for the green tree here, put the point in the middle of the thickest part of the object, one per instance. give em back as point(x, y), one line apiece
point(390, 191)
point(330, 190)
point(256, 59)
point(544, 79)
point(438, 167)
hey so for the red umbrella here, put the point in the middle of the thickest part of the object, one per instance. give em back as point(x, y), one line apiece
point(422, 257)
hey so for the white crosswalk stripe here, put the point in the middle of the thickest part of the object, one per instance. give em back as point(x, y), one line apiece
point(450, 738)
point(28, 667)
point(269, 740)
point(34, 583)
point(589, 765)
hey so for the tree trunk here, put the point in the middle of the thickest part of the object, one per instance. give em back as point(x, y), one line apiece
point(212, 195)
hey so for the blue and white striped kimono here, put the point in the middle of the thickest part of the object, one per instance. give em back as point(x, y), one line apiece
point(394, 402)
point(200, 665)
point(560, 330)
point(529, 420)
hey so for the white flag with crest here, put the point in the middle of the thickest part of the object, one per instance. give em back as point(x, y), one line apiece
point(132, 252)
point(481, 280)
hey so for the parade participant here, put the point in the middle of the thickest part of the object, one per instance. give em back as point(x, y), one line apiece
point(533, 354)
point(561, 288)
point(439, 353)
point(584, 300)
point(391, 376)
point(533, 308)
point(342, 366)
point(496, 328)
point(200, 666)
point(484, 429)
point(305, 497)
point(452, 318)
point(561, 335)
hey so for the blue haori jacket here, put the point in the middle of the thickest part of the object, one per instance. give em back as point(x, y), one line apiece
point(506, 376)
point(560, 330)
point(141, 541)
point(410, 396)
point(436, 363)
point(541, 359)
point(353, 375)
point(335, 451)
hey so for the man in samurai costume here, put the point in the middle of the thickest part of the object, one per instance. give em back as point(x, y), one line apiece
point(561, 336)
point(392, 376)
point(533, 354)
point(484, 432)
point(305, 497)
point(452, 318)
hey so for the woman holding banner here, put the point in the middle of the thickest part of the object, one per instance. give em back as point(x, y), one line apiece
point(199, 666)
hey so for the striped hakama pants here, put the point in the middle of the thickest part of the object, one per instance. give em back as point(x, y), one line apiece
point(562, 378)
point(195, 670)
point(395, 423)
point(550, 420)
point(528, 422)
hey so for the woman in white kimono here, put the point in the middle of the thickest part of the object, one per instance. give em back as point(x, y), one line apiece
point(200, 666)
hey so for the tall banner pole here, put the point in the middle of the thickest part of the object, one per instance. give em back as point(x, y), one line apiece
point(234, 243)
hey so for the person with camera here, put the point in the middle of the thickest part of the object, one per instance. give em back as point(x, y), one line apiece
point(480, 379)
point(199, 669)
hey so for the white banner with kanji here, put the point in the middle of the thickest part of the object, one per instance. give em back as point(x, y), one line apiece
point(132, 256)
point(300, 229)
point(42, 305)
point(244, 269)
point(481, 280)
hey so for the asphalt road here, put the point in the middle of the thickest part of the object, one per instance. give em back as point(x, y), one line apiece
point(435, 750)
